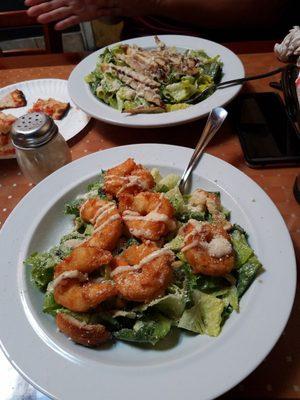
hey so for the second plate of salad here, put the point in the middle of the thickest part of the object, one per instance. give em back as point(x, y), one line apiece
point(155, 81)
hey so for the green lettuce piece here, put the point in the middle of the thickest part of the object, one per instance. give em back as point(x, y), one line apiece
point(242, 249)
point(171, 305)
point(246, 274)
point(175, 244)
point(186, 281)
point(42, 265)
point(213, 67)
point(188, 214)
point(175, 197)
point(177, 106)
point(211, 284)
point(180, 91)
point(200, 54)
point(146, 330)
point(156, 175)
point(229, 296)
point(168, 182)
point(205, 317)
point(49, 305)
point(72, 207)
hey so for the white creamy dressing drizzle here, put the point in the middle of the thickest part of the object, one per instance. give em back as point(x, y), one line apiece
point(108, 221)
point(150, 257)
point(106, 209)
point(197, 228)
point(133, 180)
point(190, 246)
point(66, 275)
point(153, 216)
point(140, 232)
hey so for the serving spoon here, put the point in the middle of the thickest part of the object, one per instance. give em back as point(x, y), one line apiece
point(213, 124)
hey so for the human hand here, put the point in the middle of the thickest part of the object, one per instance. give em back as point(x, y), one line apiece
point(72, 12)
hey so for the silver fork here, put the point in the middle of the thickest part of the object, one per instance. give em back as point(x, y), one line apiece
point(213, 124)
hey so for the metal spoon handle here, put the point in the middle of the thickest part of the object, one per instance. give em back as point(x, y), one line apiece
point(214, 122)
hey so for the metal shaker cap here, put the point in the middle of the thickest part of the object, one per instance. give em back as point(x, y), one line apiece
point(33, 130)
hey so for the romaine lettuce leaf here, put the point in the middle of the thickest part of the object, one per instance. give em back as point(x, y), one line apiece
point(168, 182)
point(42, 265)
point(177, 106)
point(172, 305)
point(180, 91)
point(246, 274)
point(205, 317)
point(242, 249)
point(175, 244)
point(146, 330)
point(175, 197)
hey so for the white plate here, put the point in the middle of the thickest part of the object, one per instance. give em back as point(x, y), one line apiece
point(82, 96)
point(70, 125)
point(200, 366)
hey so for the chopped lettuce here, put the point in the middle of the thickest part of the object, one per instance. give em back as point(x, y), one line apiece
point(49, 305)
point(241, 247)
point(146, 330)
point(246, 274)
point(186, 281)
point(172, 305)
point(177, 106)
point(229, 297)
point(180, 91)
point(205, 317)
point(72, 207)
point(42, 265)
point(175, 244)
point(175, 197)
point(211, 284)
point(167, 183)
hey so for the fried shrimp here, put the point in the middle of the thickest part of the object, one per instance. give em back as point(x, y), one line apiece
point(75, 291)
point(105, 217)
point(127, 177)
point(90, 335)
point(142, 272)
point(84, 258)
point(201, 200)
point(207, 248)
point(148, 216)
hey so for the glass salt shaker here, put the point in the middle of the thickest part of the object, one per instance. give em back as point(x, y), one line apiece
point(40, 148)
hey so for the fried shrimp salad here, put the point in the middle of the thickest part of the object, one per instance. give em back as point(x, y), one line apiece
point(136, 80)
point(143, 260)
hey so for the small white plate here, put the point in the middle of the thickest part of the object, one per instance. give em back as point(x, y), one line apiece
point(82, 96)
point(200, 366)
point(70, 125)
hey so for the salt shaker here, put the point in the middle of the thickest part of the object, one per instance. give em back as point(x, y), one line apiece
point(40, 148)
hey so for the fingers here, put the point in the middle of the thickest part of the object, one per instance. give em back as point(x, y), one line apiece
point(30, 3)
point(55, 15)
point(66, 23)
point(45, 7)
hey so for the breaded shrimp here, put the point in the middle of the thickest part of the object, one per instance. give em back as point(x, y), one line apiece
point(105, 217)
point(74, 291)
point(207, 248)
point(201, 200)
point(148, 216)
point(127, 177)
point(142, 272)
point(84, 258)
point(90, 335)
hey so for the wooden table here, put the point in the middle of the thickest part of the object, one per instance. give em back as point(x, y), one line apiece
point(279, 375)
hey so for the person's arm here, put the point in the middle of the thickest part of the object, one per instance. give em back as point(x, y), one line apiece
point(204, 13)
